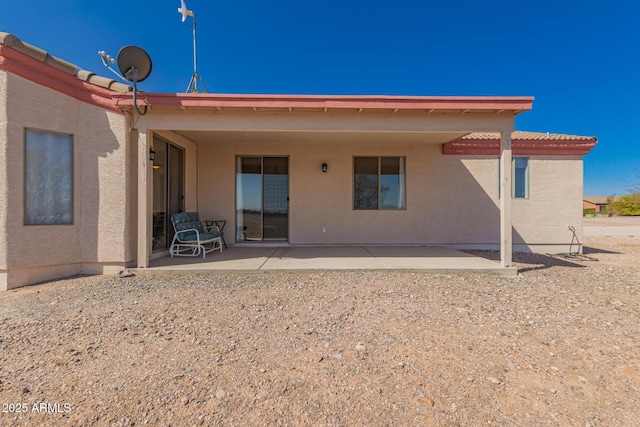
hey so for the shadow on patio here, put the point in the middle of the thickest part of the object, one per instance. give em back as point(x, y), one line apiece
point(526, 261)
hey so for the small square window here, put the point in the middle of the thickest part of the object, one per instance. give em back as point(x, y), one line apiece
point(378, 183)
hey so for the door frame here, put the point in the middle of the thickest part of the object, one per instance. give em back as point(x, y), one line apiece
point(262, 240)
point(168, 229)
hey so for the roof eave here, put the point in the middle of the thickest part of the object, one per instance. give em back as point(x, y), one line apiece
point(491, 147)
point(360, 103)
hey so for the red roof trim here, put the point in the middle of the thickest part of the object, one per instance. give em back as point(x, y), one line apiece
point(200, 100)
point(46, 75)
point(491, 147)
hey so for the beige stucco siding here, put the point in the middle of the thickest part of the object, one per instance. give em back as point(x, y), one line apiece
point(131, 223)
point(555, 203)
point(451, 200)
point(445, 202)
point(540, 222)
point(4, 193)
point(101, 205)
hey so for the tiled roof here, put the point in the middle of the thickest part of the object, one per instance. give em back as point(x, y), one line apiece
point(523, 143)
point(41, 55)
point(596, 200)
point(528, 136)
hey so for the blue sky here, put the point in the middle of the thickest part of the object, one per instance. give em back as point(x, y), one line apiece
point(579, 59)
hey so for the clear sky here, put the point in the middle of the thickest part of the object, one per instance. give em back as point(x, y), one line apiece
point(580, 59)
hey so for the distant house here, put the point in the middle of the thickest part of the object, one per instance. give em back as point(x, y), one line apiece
point(87, 185)
point(599, 204)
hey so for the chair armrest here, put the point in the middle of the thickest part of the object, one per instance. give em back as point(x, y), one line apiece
point(188, 230)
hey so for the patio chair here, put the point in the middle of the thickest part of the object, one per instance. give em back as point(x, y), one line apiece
point(190, 238)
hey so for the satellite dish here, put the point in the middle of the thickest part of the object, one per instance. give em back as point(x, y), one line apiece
point(184, 11)
point(135, 66)
point(134, 63)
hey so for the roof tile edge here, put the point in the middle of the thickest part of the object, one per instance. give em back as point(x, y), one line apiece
point(41, 55)
point(523, 143)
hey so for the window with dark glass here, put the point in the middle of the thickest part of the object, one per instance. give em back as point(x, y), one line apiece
point(378, 183)
point(519, 178)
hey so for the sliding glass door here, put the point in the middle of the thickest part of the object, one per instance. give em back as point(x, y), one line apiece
point(168, 190)
point(262, 198)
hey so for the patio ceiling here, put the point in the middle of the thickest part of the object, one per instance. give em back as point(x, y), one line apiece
point(204, 118)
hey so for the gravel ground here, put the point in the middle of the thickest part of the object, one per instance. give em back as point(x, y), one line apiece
point(612, 226)
point(558, 345)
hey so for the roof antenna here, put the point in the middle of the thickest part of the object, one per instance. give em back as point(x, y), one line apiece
point(134, 65)
point(195, 77)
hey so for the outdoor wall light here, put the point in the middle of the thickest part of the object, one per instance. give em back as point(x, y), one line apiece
point(324, 167)
point(152, 154)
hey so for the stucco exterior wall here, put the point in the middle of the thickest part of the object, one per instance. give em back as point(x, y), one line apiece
point(131, 221)
point(98, 237)
point(554, 204)
point(4, 193)
point(450, 200)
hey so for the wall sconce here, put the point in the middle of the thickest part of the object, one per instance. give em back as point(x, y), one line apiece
point(152, 154)
point(324, 167)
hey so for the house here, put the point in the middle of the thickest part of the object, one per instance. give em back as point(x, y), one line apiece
point(88, 184)
point(599, 204)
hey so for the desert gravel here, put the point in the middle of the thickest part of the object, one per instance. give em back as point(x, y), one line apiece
point(558, 345)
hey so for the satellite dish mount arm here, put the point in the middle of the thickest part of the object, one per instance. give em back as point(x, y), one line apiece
point(132, 75)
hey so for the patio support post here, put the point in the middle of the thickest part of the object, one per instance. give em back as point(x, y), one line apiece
point(144, 198)
point(506, 234)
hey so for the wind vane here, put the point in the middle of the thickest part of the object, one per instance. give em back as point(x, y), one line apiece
point(195, 77)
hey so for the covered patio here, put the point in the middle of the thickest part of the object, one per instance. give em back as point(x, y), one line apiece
point(297, 258)
point(323, 229)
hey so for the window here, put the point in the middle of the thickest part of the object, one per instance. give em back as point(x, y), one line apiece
point(48, 178)
point(520, 177)
point(378, 183)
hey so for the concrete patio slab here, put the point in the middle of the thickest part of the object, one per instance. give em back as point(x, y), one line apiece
point(323, 258)
point(294, 258)
point(429, 258)
point(234, 258)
